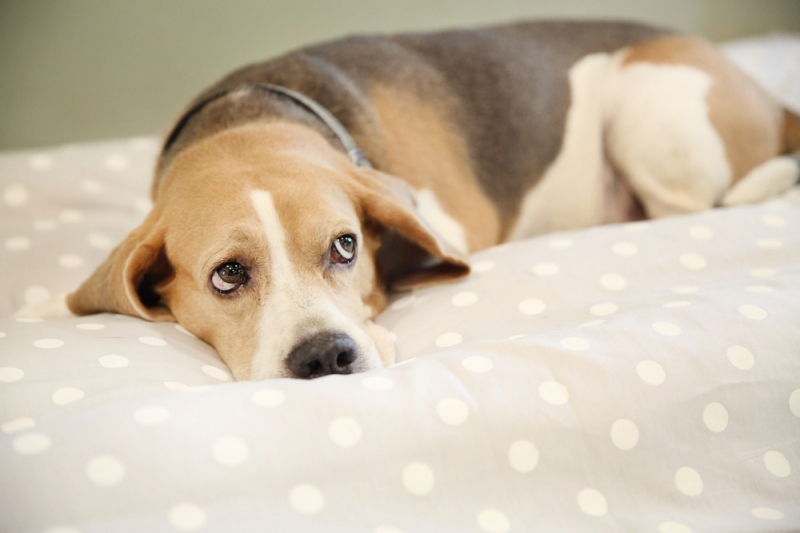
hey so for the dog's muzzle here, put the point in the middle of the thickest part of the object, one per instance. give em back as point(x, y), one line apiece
point(328, 352)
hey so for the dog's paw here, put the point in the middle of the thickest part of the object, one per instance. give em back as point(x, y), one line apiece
point(54, 308)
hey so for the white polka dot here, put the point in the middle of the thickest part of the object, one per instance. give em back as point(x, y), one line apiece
point(268, 397)
point(758, 288)
point(773, 221)
point(560, 243)
point(493, 521)
point(185, 331)
point(651, 372)
point(15, 195)
point(105, 471)
point(625, 249)
point(40, 162)
point(17, 244)
point(18, 424)
point(449, 339)
point(545, 269)
point(624, 434)
point(229, 450)
point(753, 312)
point(554, 393)
point(452, 411)
point(613, 282)
point(10, 374)
point(91, 326)
point(477, 364)
point(701, 232)
point(418, 478)
point(483, 266)
point(715, 417)
point(591, 323)
point(603, 309)
point(117, 162)
point(777, 464)
point(592, 502)
point(377, 383)
point(464, 299)
point(683, 289)
point(2, 334)
point(63, 529)
point(70, 260)
point(31, 443)
point(344, 432)
point(763, 272)
point(70, 216)
point(512, 337)
point(91, 186)
point(765, 513)
point(387, 529)
point(673, 527)
point(575, 343)
point(665, 328)
point(740, 357)
point(29, 320)
point(794, 402)
point(143, 205)
point(187, 517)
point(769, 243)
point(153, 341)
point(636, 226)
point(675, 304)
point(216, 373)
point(693, 261)
point(532, 306)
point(66, 395)
point(151, 415)
point(402, 303)
point(48, 344)
point(44, 224)
point(101, 241)
point(306, 499)
point(688, 481)
point(175, 385)
point(113, 361)
point(523, 456)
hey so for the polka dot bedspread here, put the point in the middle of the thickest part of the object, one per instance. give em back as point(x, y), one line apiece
point(639, 377)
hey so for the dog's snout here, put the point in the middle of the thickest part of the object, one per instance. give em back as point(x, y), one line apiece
point(322, 354)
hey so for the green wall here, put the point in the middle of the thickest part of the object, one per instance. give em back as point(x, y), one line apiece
point(75, 70)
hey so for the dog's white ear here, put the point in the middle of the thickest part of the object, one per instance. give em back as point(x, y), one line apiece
point(126, 282)
point(412, 254)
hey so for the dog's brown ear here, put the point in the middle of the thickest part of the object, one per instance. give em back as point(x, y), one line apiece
point(412, 254)
point(126, 282)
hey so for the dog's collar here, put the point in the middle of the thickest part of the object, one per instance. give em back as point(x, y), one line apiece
point(355, 153)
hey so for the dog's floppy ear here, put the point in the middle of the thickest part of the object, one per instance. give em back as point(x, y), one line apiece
point(412, 254)
point(126, 282)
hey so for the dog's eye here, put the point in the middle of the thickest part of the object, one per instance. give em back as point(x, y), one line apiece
point(229, 277)
point(343, 249)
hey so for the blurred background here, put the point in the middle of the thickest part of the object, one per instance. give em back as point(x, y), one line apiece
point(77, 70)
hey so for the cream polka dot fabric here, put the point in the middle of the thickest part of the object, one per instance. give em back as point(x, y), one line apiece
point(640, 378)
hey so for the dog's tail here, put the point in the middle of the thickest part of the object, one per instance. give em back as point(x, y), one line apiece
point(775, 175)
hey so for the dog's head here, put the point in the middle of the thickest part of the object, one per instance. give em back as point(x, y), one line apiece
point(264, 241)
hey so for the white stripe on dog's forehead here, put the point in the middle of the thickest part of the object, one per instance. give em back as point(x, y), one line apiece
point(280, 265)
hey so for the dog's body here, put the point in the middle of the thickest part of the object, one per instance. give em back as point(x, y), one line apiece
point(269, 243)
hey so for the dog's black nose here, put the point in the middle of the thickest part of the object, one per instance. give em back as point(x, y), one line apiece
point(325, 353)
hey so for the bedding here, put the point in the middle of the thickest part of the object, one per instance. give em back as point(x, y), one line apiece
point(639, 377)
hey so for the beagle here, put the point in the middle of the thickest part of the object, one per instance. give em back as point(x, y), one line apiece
point(294, 193)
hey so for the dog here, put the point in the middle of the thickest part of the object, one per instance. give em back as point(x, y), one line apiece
point(293, 194)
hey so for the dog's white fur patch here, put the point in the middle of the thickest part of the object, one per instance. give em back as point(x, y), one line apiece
point(570, 192)
point(766, 180)
point(446, 226)
point(660, 137)
point(293, 310)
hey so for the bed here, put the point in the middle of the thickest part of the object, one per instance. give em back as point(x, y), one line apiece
point(639, 377)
